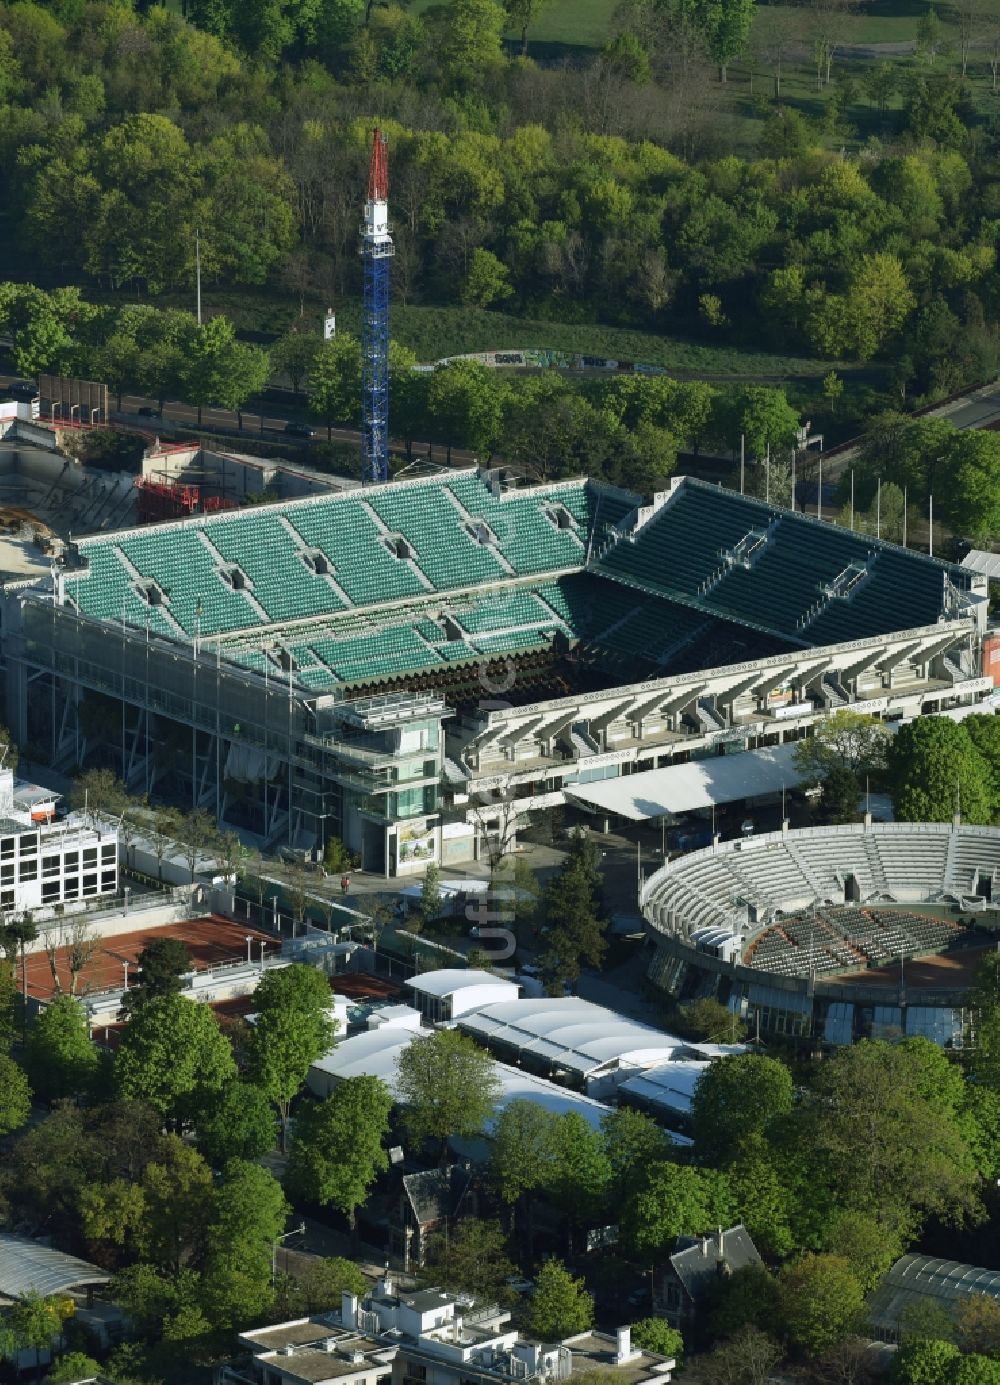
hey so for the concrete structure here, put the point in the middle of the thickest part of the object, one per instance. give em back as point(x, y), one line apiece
point(830, 932)
point(414, 666)
point(44, 864)
point(442, 996)
point(424, 1337)
point(309, 1351)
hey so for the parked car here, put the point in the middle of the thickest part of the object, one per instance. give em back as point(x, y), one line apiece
point(149, 411)
point(299, 430)
point(25, 390)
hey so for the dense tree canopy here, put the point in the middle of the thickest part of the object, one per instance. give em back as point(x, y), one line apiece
point(174, 1056)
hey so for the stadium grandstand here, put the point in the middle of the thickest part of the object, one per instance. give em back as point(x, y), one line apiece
point(376, 663)
point(832, 932)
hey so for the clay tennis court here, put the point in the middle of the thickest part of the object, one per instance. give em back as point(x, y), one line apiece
point(363, 986)
point(946, 971)
point(210, 941)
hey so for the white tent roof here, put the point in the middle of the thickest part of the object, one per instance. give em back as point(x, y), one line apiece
point(981, 560)
point(370, 1054)
point(448, 980)
point(698, 784)
point(670, 1085)
point(573, 1033)
point(376, 1052)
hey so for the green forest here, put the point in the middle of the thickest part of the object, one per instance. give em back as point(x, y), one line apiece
point(593, 188)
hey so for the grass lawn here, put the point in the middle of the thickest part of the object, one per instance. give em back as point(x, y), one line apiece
point(433, 332)
point(574, 23)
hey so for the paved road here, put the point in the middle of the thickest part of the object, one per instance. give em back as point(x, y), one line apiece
point(251, 423)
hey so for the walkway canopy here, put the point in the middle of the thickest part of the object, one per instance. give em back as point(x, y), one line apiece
point(28, 1267)
point(698, 784)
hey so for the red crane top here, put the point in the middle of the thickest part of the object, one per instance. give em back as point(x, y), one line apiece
point(378, 171)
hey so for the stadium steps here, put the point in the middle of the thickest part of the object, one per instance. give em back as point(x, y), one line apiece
point(245, 592)
point(879, 878)
point(466, 518)
point(806, 869)
point(304, 549)
point(161, 612)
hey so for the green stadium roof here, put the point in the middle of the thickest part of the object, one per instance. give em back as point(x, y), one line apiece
point(397, 580)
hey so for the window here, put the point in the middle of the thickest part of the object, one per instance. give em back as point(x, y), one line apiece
point(6, 899)
point(90, 884)
point(72, 858)
point(29, 844)
point(28, 871)
point(108, 853)
point(7, 846)
point(71, 888)
point(90, 856)
point(108, 880)
point(50, 865)
point(7, 873)
point(50, 890)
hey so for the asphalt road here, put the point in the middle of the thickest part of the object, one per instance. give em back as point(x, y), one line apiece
point(980, 410)
point(250, 424)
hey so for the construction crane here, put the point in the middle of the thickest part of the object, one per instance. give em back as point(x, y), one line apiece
point(376, 252)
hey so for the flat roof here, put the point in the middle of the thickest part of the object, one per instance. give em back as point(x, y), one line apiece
point(299, 1332)
point(697, 784)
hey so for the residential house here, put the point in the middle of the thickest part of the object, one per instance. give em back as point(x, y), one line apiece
point(689, 1280)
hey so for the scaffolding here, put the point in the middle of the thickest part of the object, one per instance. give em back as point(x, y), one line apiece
point(165, 500)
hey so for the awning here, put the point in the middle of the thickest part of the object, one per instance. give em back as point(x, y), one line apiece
point(698, 784)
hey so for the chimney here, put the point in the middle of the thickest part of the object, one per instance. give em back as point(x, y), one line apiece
point(349, 1309)
point(625, 1351)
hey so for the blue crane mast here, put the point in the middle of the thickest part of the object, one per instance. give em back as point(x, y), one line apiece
point(376, 252)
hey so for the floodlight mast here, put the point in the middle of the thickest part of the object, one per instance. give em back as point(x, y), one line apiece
point(376, 252)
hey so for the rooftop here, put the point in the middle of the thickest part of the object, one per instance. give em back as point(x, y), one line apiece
point(27, 1266)
point(570, 1033)
point(698, 1260)
point(448, 980)
point(299, 1332)
point(920, 1278)
point(375, 1053)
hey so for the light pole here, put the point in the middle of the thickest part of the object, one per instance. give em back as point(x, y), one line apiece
point(249, 944)
point(296, 1231)
point(125, 965)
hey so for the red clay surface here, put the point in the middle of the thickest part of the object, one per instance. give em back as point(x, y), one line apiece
point(361, 986)
point(946, 971)
point(210, 941)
